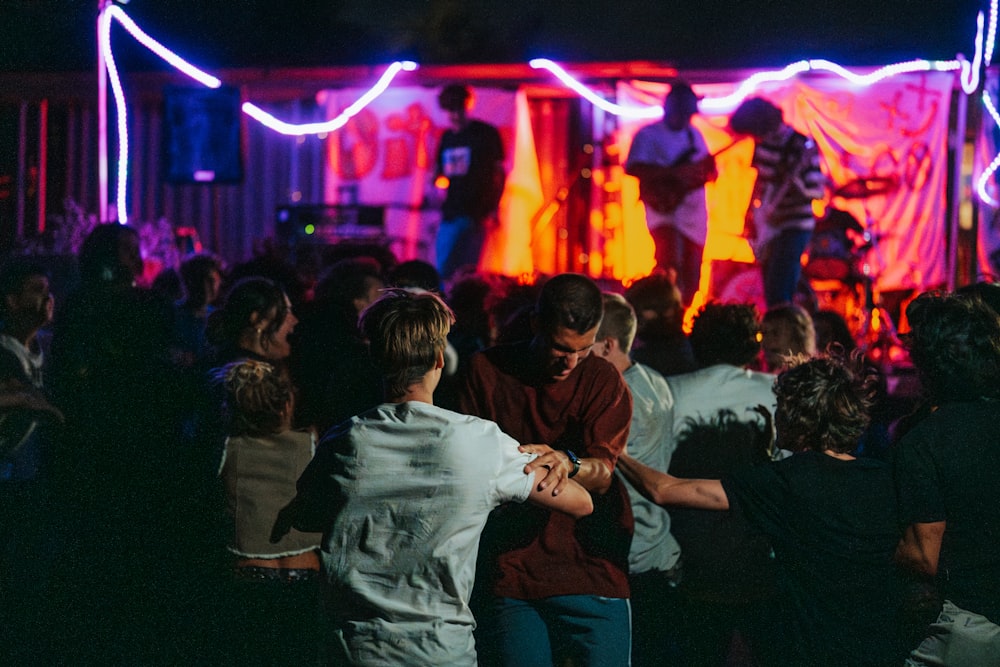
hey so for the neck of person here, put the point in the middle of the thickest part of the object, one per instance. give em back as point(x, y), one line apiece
point(421, 391)
point(842, 456)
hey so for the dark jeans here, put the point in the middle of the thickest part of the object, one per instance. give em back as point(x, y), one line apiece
point(676, 251)
point(459, 244)
point(782, 265)
point(656, 616)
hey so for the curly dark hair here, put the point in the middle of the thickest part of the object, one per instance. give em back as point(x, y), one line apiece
point(725, 333)
point(954, 342)
point(824, 403)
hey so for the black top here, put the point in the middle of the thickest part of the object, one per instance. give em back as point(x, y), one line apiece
point(948, 469)
point(469, 159)
point(834, 529)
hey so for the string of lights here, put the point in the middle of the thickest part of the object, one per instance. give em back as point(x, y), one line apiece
point(969, 73)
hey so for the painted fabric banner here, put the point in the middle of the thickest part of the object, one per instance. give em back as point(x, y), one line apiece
point(385, 156)
point(888, 141)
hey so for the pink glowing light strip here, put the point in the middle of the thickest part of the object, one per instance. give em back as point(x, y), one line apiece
point(104, 37)
point(269, 121)
point(991, 168)
point(748, 86)
point(591, 96)
point(184, 66)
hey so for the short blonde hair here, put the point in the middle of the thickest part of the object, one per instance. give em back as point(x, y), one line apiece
point(619, 321)
point(406, 331)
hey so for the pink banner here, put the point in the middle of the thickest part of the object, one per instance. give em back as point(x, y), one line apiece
point(891, 136)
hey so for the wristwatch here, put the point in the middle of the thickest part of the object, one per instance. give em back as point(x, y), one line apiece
point(575, 461)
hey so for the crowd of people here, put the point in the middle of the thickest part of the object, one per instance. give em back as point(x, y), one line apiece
point(396, 463)
point(375, 466)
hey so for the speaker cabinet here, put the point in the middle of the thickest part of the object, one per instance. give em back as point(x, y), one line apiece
point(201, 135)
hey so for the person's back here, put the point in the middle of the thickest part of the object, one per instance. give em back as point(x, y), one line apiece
point(947, 475)
point(416, 484)
point(724, 339)
point(833, 526)
point(402, 493)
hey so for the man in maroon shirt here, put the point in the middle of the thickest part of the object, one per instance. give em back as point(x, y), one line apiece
point(550, 587)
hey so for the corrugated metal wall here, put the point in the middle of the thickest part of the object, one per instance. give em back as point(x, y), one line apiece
point(230, 219)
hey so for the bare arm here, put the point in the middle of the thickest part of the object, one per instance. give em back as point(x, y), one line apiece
point(664, 489)
point(594, 475)
point(570, 499)
point(920, 547)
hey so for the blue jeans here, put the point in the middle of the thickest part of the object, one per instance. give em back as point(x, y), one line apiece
point(459, 243)
point(782, 265)
point(590, 630)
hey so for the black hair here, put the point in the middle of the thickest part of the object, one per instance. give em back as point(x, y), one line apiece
point(725, 333)
point(571, 301)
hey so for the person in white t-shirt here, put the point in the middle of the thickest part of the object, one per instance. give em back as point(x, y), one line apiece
point(402, 493)
point(672, 162)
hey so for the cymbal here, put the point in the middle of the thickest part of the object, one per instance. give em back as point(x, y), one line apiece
point(862, 188)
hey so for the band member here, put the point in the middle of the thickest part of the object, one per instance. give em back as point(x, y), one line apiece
point(780, 220)
point(672, 162)
point(470, 166)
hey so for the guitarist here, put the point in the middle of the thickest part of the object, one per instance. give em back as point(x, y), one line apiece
point(672, 162)
point(780, 220)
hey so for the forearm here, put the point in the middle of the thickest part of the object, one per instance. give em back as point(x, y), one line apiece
point(594, 475)
point(665, 489)
point(920, 547)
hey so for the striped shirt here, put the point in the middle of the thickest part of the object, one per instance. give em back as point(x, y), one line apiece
point(793, 157)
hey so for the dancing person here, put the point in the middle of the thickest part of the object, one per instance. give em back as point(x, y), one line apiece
point(402, 493)
point(839, 592)
point(947, 472)
point(470, 166)
point(672, 162)
point(558, 584)
point(780, 219)
point(654, 558)
point(274, 605)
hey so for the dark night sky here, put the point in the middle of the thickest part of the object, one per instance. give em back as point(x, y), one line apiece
point(692, 34)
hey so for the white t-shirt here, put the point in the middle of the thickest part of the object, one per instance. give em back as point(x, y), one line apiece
point(658, 144)
point(408, 489)
point(704, 392)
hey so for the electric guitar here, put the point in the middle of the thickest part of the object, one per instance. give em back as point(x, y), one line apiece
point(664, 188)
point(760, 226)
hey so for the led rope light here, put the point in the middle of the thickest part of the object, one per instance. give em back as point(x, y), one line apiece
point(590, 95)
point(969, 79)
point(205, 79)
point(104, 37)
point(269, 121)
point(991, 34)
point(995, 164)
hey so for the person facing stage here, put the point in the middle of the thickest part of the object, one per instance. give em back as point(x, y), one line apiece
point(672, 162)
point(470, 167)
point(780, 220)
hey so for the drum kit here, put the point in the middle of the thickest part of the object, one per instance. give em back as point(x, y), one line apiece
point(841, 266)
